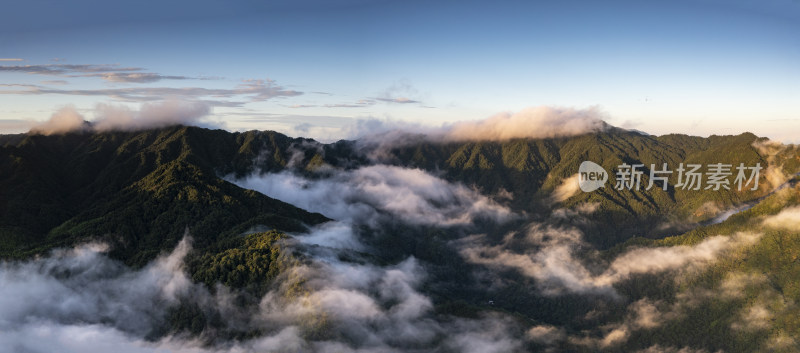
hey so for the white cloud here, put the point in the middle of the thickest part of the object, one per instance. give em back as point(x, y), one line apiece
point(362, 195)
point(788, 218)
point(652, 260)
point(150, 115)
point(568, 188)
point(79, 300)
point(546, 334)
point(661, 349)
point(110, 117)
point(552, 259)
point(64, 120)
point(773, 173)
point(536, 122)
point(82, 286)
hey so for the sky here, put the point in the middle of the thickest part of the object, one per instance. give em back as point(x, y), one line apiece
point(318, 68)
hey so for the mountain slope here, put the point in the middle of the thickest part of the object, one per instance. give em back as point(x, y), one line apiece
point(551, 272)
point(139, 190)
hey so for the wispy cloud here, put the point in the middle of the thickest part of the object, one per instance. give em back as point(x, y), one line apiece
point(253, 90)
point(359, 104)
point(10, 59)
point(411, 195)
point(18, 85)
point(64, 120)
point(66, 69)
point(535, 122)
point(401, 100)
point(135, 77)
point(556, 266)
point(401, 92)
point(107, 72)
point(150, 115)
point(54, 82)
point(788, 218)
point(567, 189)
point(117, 117)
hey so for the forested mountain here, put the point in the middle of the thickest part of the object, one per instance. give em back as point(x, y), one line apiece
point(438, 236)
point(140, 189)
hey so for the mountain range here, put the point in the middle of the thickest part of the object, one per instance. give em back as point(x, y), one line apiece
point(404, 242)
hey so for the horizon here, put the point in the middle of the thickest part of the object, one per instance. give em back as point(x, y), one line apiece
point(447, 131)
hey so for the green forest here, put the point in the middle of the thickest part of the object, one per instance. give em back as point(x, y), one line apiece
point(140, 192)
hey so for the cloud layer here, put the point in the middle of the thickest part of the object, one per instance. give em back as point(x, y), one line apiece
point(536, 122)
point(64, 120)
point(365, 194)
point(110, 117)
point(553, 261)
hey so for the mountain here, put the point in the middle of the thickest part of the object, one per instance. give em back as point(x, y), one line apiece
point(139, 190)
point(533, 169)
point(403, 242)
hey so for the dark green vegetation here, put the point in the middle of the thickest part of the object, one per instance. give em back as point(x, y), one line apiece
point(140, 192)
point(532, 169)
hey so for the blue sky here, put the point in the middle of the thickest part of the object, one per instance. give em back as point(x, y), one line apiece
point(313, 67)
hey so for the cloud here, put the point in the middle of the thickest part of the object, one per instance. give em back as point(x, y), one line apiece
point(134, 77)
point(64, 120)
point(379, 137)
point(65, 69)
point(262, 90)
point(11, 59)
point(646, 314)
point(774, 173)
point(661, 349)
point(788, 218)
point(81, 286)
point(551, 259)
point(568, 188)
point(359, 104)
point(109, 117)
point(546, 334)
point(383, 134)
point(490, 335)
point(398, 93)
point(757, 317)
point(150, 115)
point(652, 260)
point(54, 82)
point(537, 122)
point(111, 73)
point(364, 194)
point(254, 90)
point(400, 100)
point(79, 300)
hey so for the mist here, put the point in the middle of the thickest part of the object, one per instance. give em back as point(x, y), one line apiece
point(371, 193)
point(62, 121)
point(169, 112)
point(117, 117)
point(535, 122)
point(80, 300)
